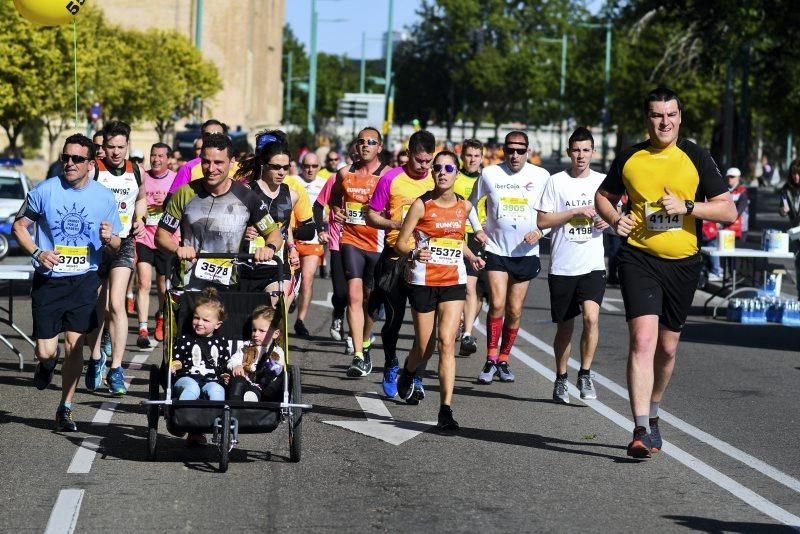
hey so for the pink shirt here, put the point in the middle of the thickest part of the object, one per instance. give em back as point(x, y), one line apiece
point(156, 189)
point(184, 174)
point(334, 228)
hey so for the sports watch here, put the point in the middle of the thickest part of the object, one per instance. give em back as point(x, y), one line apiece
point(689, 206)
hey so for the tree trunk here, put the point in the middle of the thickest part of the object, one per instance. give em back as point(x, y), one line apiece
point(12, 132)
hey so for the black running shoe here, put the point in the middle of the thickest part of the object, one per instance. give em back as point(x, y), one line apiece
point(64, 422)
point(300, 329)
point(405, 384)
point(293, 306)
point(42, 376)
point(446, 421)
point(361, 366)
point(655, 436)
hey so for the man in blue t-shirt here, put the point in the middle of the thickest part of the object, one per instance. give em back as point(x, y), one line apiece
point(75, 218)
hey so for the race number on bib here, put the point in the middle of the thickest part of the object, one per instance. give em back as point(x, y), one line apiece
point(214, 270)
point(355, 213)
point(578, 229)
point(446, 251)
point(514, 208)
point(72, 259)
point(154, 214)
point(658, 220)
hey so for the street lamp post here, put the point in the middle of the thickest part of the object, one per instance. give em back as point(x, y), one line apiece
point(388, 87)
point(312, 71)
point(606, 118)
point(562, 88)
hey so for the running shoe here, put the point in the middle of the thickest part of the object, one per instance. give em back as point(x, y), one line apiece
point(43, 373)
point(469, 345)
point(116, 382)
point(94, 372)
point(348, 348)
point(293, 306)
point(405, 385)
point(445, 420)
point(586, 386)
point(504, 372)
point(143, 341)
point(159, 331)
point(655, 436)
point(130, 304)
point(640, 446)
point(105, 344)
point(64, 421)
point(360, 367)
point(337, 328)
point(389, 382)
point(300, 329)
point(561, 390)
point(487, 373)
point(418, 395)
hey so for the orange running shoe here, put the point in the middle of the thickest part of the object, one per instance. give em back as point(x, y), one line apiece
point(641, 446)
point(159, 331)
point(130, 304)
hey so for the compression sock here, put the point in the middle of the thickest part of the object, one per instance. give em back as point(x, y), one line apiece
point(642, 420)
point(494, 326)
point(509, 336)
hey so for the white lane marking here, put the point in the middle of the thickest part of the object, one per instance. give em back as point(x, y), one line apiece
point(609, 307)
point(327, 303)
point(728, 484)
point(84, 457)
point(65, 512)
point(725, 448)
point(373, 405)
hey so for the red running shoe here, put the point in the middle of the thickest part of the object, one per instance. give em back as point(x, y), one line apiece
point(159, 331)
point(641, 446)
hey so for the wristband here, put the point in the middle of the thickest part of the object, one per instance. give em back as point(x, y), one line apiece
point(37, 253)
point(272, 246)
point(291, 245)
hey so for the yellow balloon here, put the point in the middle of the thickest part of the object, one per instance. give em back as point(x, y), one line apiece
point(49, 12)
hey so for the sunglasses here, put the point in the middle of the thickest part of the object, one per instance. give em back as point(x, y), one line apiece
point(448, 168)
point(371, 142)
point(310, 166)
point(75, 159)
point(518, 151)
point(333, 159)
point(276, 167)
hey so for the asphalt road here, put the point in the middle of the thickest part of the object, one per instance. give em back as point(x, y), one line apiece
point(520, 463)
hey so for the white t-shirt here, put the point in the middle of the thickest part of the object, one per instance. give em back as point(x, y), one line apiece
point(577, 248)
point(510, 207)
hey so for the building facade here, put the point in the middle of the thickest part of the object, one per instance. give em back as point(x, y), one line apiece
point(244, 38)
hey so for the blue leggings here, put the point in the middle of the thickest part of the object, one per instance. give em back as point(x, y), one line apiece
point(188, 388)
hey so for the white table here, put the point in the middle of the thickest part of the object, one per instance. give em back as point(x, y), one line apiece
point(9, 274)
point(729, 278)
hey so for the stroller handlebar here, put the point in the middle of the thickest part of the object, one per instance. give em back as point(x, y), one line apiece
point(232, 256)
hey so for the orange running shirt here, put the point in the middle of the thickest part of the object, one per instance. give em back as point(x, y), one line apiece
point(442, 231)
point(357, 190)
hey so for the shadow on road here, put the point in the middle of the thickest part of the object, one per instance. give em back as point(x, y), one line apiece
point(704, 524)
point(765, 336)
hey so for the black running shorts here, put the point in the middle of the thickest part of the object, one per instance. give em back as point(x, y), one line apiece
point(124, 257)
point(359, 264)
point(521, 269)
point(161, 260)
point(425, 299)
point(655, 286)
point(65, 304)
point(567, 293)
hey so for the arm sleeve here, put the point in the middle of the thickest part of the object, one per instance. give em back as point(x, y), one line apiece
point(613, 182)
point(173, 213)
point(31, 208)
point(711, 182)
point(319, 217)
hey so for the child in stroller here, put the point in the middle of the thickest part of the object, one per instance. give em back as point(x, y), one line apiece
point(257, 368)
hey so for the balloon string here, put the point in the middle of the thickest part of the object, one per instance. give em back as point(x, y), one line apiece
point(75, 62)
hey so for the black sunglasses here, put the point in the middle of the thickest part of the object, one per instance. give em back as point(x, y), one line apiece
point(447, 168)
point(276, 167)
point(370, 142)
point(518, 151)
point(307, 166)
point(75, 159)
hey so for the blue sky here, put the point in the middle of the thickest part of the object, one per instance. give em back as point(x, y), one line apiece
point(339, 38)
